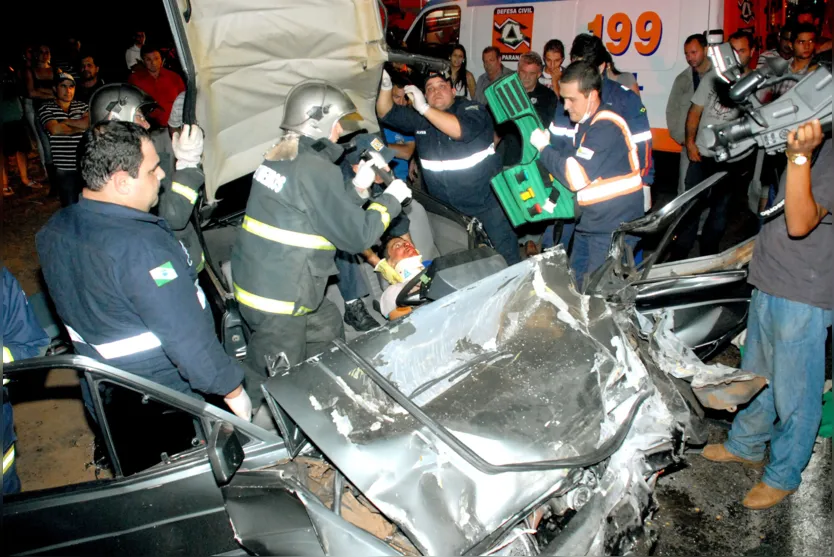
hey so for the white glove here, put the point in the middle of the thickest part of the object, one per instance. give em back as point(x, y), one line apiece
point(418, 100)
point(241, 405)
point(365, 175)
point(377, 160)
point(399, 190)
point(386, 82)
point(540, 139)
point(188, 146)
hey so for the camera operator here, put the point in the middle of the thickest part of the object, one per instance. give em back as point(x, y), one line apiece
point(790, 310)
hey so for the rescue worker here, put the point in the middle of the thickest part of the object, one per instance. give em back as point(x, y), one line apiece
point(298, 214)
point(124, 287)
point(454, 138)
point(601, 167)
point(23, 338)
point(128, 103)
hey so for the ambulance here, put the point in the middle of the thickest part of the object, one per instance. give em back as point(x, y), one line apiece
point(645, 37)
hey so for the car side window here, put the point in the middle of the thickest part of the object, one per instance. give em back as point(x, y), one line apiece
point(147, 432)
point(442, 26)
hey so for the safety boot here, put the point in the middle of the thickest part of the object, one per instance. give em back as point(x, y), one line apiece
point(357, 316)
point(719, 453)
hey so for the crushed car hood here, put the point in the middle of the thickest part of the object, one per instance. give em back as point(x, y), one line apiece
point(249, 53)
point(516, 382)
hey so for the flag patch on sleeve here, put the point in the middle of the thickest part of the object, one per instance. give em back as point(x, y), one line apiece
point(163, 274)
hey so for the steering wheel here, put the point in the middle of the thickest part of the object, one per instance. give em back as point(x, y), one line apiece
point(403, 296)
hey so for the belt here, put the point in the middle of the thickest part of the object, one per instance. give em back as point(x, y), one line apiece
point(286, 237)
point(120, 348)
point(458, 164)
point(268, 305)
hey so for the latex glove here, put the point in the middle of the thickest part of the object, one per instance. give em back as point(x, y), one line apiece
point(388, 272)
point(400, 190)
point(540, 139)
point(365, 175)
point(418, 100)
point(240, 403)
point(386, 82)
point(188, 146)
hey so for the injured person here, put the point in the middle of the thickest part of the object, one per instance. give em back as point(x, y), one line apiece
point(407, 262)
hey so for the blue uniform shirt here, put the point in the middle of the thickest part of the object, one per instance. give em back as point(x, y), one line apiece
point(23, 336)
point(457, 172)
point(127, 292)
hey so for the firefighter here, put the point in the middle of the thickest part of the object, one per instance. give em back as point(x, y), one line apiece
point(23, 338)
point(601, 166)
point(128, 103)
point(298, 214)
point(454, 138)
point(124, 287)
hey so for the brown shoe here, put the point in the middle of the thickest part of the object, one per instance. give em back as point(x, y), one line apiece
point(718, 453)
point(762, 496)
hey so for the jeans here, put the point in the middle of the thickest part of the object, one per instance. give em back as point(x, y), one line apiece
point(786, 345)
point(500, 232)
point(351, 284)
point(590, 251)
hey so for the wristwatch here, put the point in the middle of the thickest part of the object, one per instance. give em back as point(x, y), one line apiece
point(797, 158)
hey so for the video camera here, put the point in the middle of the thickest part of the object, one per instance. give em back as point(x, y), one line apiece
point(765, 125)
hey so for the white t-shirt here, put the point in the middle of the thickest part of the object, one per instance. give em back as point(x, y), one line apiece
point(133, 56)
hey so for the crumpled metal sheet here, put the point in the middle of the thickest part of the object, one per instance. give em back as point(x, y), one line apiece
point(519, 367)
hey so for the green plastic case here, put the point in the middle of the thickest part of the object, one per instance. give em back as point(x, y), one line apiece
point(520, 188)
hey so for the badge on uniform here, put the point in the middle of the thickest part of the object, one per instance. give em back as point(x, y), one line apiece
point(377, 144)
point(163, 274)
point(584, 153)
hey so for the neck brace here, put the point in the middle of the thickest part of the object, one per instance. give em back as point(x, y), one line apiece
point(410, 266)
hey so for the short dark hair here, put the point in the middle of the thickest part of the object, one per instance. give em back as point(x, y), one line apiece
point(491, 49)
point(588, 48)
point(111, 147)
point(700, 37)
point(804, 28)
point(554, 45)
point(742, 34)
point(148, 48)
point(88, 55)
point(400, 80)
point(585, 74)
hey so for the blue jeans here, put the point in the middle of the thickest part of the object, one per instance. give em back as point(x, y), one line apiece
point(351, 285)
point(11, 481)
point(785, 344)
point(589, 253)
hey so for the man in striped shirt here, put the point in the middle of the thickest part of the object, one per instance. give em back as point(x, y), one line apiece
point(65, 121)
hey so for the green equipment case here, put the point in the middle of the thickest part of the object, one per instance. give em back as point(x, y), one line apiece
point(522, 191)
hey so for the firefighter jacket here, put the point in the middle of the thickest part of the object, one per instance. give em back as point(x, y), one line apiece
point(176, 204)
point(602, 168)
point(297, 216)
point(628, 105)
point(23, 336)
point(127, 292)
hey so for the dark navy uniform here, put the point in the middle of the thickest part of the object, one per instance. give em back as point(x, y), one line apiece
point(176, 203)
point(23, 338)
point(458, 172)
point(602, 167)
point(297, 216)
point(127, 292)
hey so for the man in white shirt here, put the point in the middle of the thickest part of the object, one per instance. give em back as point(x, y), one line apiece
point(133, 56)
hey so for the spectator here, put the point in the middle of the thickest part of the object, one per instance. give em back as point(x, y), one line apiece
point(804, 41)
point(133, 55)
point(462, 80)
point(790, 310)
point(493, 69)
point(70, 61)
point(710, 106)
point(402, 143)
point(626, 79)
point(554, 57)
point(39, 82)
point(90, 81)
point(784, 50)
point(160, 83)
point(685, 85)
point(14, 140)
point(65, 120)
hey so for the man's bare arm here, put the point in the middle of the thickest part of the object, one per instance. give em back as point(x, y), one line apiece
point(404, 151)
point(802, 212)
point(444, 121)
point(693, 118)
point(54, 127)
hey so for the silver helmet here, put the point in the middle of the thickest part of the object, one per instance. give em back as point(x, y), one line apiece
point(118, 101)
point(313, 107)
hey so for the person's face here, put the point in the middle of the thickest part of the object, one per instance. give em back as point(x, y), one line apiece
point(399, 96)
point(153, 62)
point(439, 93)
point(803, 46)
point(743, 49)
point(44, 55)
point(144, 189)
point(786, 45)
point(529, 75)
point(553, 61)
point(139, 38)
point(576, 104)
point(491, 63)
point(89, 70)
point(457, 58)
point(65, 91)
point(694, 53)
point(399, 249)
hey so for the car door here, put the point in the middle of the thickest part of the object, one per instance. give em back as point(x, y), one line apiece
point(160, 497)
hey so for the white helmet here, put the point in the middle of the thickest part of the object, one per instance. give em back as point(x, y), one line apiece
point(313, 107)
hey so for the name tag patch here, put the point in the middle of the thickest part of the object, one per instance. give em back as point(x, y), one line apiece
point(270, 178)
point(584, 153)
point(420, 132)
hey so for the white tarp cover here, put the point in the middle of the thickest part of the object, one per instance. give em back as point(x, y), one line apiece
point(249, 53)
